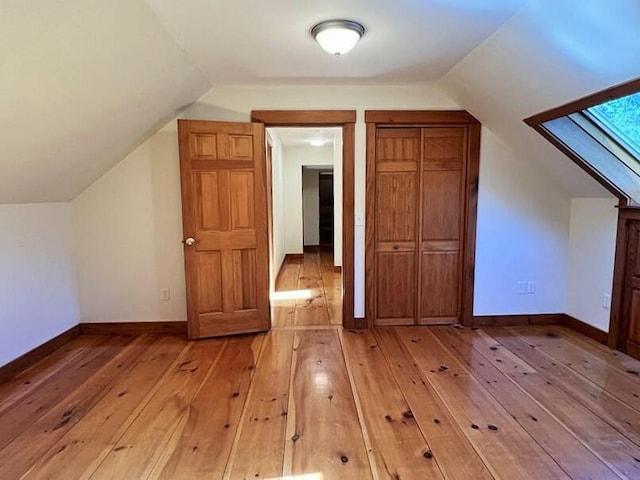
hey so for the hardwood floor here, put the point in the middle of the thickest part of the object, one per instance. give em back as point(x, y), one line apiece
point(311, 402)
point(308, 293)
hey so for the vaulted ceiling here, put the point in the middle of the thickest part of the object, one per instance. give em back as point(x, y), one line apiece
point(84, 81)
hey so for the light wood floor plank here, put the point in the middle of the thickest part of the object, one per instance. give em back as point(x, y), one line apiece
point(323, 433)
point(30, 379)
point(205, 436)
point(138, 449)
point(283, 309)
point(79, 448)
point(624, 386)
point(264, 422)
point(507, 449)
point(600, 402)
point(35, 440)
point(496, 367)
point(399, 448)
point(614, 358)
point(25, 412)
point(451, 449)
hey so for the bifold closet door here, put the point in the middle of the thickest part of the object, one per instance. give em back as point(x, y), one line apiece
point(442, 192)
point(419, 224)
point(396, 233)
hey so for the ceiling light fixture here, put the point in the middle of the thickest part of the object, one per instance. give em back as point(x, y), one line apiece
point(337, 36)
point(317, 142)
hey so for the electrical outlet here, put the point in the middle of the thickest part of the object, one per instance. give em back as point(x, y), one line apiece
point(165, 293)
point(606, 301)
point(531, 288)
point(522, 287)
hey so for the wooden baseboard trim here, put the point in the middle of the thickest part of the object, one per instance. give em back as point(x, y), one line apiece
point(585, 329)
point(311, 248)
point(34, 356)
point(134, 328)
point(518, 320)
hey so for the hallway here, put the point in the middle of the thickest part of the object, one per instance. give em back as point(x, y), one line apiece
point(308, 292)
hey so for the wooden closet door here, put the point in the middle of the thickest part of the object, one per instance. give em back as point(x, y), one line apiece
point(442, 210)
point(396, 234)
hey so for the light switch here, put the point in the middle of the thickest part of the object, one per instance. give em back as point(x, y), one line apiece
point(359, 219)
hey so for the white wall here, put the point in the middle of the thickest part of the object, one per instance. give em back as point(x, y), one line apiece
point(337, 206)
point(311, 206)
point(37, 284)
point(523, 216)
point(294, 158)
point(592, 247)
point(522, 235)
point(277, 198)
point(127, 238)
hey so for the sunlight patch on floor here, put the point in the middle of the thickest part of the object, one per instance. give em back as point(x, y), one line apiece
point(291, 295)
point(308, 476)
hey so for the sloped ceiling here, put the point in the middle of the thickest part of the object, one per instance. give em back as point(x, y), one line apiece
point(82, 82)
point(550, 53)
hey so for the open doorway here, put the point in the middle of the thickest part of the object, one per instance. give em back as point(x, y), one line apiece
point(306, 244)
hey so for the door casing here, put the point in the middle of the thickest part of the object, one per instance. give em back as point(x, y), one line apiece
point(425, 118)
point(331, 118)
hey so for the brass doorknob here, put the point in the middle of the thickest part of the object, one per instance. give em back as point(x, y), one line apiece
point(190, 241)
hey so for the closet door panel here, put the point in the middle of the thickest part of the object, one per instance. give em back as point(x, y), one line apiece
point(442, 200)
point(396, 288)
point(441, 211)
point(440, 298)
point(397, 234)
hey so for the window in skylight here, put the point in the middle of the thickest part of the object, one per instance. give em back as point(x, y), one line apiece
point(602, 134)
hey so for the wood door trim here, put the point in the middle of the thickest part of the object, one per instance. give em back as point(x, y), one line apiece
point(331, 118)
point(584, 102)
point(618, 326)
point(303, 118)
point(419, 118)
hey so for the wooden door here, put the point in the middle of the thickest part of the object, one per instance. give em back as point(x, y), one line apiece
point(442, 224)
point(325, 208)
point(224, 209)
point(396, 228)
point(631, 303)
point(420, 178)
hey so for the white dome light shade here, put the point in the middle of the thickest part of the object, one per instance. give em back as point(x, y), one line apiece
point(337, 36)
point(317, 142)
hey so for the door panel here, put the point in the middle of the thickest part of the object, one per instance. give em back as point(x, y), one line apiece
point(208, 188)
point(224, 205)
point(396, 207)
point(244, 269)
point(242, 201)
point(441, 212)
point(440, 302)
point(443, 173)
point(396, 286)
point(210, 282)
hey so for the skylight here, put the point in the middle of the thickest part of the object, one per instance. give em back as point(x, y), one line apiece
point(622, 118)
point(602, 135)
